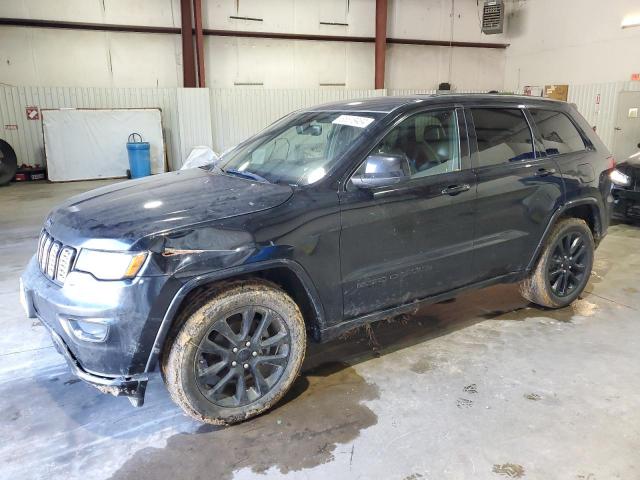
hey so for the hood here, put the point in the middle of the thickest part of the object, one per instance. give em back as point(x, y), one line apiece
point(117, 215)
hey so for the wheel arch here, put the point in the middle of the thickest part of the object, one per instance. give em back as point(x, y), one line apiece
point(587, 209)
point(287, 274)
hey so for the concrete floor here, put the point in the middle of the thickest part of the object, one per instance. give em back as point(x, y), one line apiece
point(484, 387)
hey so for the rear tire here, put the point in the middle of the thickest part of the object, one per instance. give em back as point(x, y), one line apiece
point(564, 266)
point(238, 354)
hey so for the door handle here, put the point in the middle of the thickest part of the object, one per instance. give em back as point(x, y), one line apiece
point(455, 189)
point(543, 172)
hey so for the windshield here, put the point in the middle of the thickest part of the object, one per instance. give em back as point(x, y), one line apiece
point(300, 149)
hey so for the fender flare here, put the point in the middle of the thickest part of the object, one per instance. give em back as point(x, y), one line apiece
point(590, 201)
point(200, 280)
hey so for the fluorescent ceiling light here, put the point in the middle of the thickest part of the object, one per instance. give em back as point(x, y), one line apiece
point(631, 21)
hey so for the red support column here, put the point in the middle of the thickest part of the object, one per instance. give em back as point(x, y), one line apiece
point(197, 15)
point(381, 41)
point(188, 58)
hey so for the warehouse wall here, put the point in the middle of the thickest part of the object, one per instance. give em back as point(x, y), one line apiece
point(47, 57)
point(571, 42)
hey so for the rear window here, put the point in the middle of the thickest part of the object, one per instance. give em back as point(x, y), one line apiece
point(559, 134)
point(503, 135)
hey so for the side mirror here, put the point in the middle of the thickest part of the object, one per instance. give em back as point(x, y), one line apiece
point(382, 170)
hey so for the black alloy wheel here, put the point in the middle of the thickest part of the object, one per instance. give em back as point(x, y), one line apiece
point(242, 356)
point(567, 266)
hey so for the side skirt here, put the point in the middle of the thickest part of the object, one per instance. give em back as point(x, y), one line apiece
point(334, 331)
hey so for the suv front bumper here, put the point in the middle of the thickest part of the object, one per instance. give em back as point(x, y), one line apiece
point(626, 203)
point(116, 365)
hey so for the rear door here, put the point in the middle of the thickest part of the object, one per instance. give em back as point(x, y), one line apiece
point(518, 190)
point(413, 239)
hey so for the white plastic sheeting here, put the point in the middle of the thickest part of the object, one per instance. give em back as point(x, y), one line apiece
point(91, 144)
point(200, 157)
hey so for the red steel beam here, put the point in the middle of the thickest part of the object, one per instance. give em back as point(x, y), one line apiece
point(197, 15)
point(381, 42)
point(188, 57)
point(106, 27)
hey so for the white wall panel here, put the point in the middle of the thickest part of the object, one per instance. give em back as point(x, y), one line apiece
point(127, 12)
point(72, 58)
point(420, 67)
point(570, 42)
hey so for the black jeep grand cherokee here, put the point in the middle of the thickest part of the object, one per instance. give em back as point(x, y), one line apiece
point(331, 218)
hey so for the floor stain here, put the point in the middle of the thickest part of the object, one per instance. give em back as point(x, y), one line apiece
point(464, 403)
point(473, 388)
point(413, 476)
point(323, 409)
point(511, 470)
point(71, 381)
point(584, 307)
point(421, 366)
point(533, 396)
point(580, 307)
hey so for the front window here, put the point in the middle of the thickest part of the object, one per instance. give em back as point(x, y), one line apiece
point(300, 149)
point(428, 142)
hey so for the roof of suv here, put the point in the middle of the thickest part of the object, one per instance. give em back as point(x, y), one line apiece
point(389, 104)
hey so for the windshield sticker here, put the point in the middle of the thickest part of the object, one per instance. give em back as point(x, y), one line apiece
point(353, 121)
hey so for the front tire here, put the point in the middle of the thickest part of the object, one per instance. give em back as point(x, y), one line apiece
point(238, 354)
point(564, 266)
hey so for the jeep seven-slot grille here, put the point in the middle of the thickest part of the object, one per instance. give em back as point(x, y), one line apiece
point(54, 258)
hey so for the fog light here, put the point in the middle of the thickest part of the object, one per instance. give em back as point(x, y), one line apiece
point(87, 329)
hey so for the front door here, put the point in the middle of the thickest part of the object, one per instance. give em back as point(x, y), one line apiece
point(413, 239)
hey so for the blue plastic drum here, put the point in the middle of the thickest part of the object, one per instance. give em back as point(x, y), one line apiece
point(139, 156)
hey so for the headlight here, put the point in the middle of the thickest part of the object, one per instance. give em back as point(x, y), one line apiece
point(110, 265)
point(620, 178)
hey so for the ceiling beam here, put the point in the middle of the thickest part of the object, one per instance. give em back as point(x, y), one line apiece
point(20, 22)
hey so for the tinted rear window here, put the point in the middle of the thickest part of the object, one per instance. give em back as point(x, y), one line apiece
point(559, 134)
point(503, 135)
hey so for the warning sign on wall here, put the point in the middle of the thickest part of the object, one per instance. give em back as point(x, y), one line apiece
point(33, 113)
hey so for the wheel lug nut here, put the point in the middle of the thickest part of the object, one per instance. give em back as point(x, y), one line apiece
point(246, 365)
point(248, 344)
point(255, 354)
point(235, 350)
point(233, 364)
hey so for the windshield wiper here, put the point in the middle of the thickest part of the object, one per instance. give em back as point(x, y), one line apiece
point(249, 175)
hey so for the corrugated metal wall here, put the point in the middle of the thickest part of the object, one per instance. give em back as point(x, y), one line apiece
point(194, 121)
point(185, 115)
point(598, 103)
point(222, 117)
point(237, 113)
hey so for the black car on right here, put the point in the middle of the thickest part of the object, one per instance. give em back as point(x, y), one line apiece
point(625, 189)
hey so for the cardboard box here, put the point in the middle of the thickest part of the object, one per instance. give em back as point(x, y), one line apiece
point(557, 92)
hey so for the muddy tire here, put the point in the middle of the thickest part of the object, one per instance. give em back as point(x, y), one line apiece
point(564, 266)
point(236, 355)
